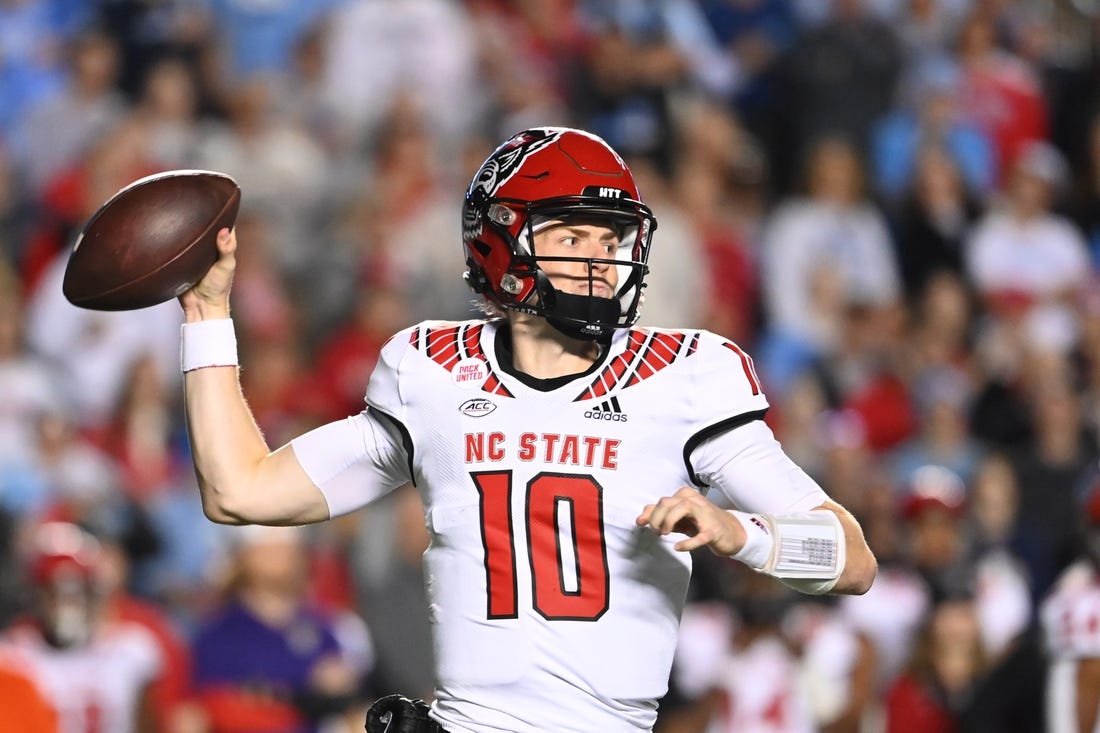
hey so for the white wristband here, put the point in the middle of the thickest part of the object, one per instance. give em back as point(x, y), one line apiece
point(207, 344)
point(759, 540)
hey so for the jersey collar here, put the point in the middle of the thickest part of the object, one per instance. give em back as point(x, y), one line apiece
point(502, 347)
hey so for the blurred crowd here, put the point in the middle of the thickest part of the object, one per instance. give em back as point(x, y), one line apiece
point(894, 205)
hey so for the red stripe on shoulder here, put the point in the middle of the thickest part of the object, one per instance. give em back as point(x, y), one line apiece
point(493, 385)
point(746, 364)
point(694, 345)
point(472, 341)
point(610, 375)
point(442, 346)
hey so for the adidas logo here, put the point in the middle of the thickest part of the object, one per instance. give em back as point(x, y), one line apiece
point(607, 410)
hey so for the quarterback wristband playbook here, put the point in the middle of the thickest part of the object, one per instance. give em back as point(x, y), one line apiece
point(804, 550)
point(207, 344)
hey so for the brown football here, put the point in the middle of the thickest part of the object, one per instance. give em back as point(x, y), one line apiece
point(151, 241)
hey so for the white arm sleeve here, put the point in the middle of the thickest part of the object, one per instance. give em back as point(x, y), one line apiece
point(749, 467)
point(354, 461)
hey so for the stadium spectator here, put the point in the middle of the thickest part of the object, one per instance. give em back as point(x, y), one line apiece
point(58, 131)
point(717, 184)
point(258, 39)
point(282, 167)
point(942, 397)
point(1021, 254)
point(380, 50)
point(114, 159)
point(823, 253)
point(928, 115)
point(946, 668)
point(1049, 473)
point(33, 34)
point(837, 79)
point(169, 108)
point(141, 433)
point(528, 54)
point(932, 223)
point(266, 659)
point(93, 350)
point(169, 689)
point(1000, 93)
point(29, 384)
point(635, 61)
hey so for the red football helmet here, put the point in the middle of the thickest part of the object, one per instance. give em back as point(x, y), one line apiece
point(62, 550)
point(65, 565)
point(546, 174)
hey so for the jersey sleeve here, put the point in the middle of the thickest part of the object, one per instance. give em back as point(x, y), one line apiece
point(384, 388)
point(353, 461)
point(749, 467)
point(361, 458)
point(724, 390)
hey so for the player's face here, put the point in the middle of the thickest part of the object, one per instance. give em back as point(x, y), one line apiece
point(69, 609)
point(587, 239)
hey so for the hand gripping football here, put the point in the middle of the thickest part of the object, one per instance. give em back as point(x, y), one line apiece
point(151, 241)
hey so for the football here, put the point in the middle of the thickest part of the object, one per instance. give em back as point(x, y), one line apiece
point(151, 241)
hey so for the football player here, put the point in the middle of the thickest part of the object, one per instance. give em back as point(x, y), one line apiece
point(94, 672)
point(1070, 618)
point(563, 455)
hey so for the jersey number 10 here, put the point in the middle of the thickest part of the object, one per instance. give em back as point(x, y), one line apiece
point(558, 508)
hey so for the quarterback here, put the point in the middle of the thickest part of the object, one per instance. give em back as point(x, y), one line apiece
point(563, 455)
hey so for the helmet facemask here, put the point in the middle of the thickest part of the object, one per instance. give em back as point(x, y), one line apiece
point(526, 287)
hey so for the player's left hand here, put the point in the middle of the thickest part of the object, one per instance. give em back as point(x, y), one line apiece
point(689, 512)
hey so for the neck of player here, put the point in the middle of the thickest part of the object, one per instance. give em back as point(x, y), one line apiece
point(543, 352)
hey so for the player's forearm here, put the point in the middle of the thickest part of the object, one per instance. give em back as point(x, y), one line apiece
point(240, 480)
point(1087, 686)
point(226, 444)
point(860, 567)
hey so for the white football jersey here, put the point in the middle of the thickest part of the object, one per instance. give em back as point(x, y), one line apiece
point(96, 687)
point(760, 691)
point(1070, 617)
point(551, 609)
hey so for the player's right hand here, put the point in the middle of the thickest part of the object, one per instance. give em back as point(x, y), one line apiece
point(209, 298)
point(705, 524)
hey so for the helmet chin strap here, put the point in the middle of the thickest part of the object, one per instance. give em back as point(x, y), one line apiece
point(583, 317)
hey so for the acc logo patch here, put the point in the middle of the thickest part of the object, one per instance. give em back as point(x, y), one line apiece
point(476, 407)
point(469, 372)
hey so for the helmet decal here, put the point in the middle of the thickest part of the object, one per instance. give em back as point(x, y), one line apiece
point(502, 166)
